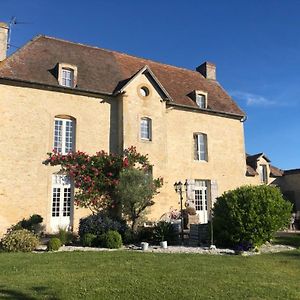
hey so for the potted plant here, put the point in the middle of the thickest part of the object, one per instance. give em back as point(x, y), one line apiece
point(164, 232)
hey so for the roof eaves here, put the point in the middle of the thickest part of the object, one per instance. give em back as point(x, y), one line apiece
point(208, 111)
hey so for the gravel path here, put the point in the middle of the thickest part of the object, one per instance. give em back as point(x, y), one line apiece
point(267, 248)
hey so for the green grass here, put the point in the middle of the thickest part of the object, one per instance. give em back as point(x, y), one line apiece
point(132, 275)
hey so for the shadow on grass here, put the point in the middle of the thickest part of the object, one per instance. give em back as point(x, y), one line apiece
point(7, 293)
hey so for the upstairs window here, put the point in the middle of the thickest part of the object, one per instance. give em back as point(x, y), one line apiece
point(263, 174)
point(146, 129)
point(67, 77)
point(200, 147)
point(201, 100)
point(64, 135)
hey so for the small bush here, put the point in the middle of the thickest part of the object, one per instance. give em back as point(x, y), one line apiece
point(20, 240)
point(165, 231)
point(54, 244)
point(249, 215)
point(33, 223)
point(111, 239)
point(146, 234)
point(88, 240)
point(64, 236)
point(99, 224)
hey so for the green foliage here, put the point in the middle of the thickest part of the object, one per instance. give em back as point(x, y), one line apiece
point(136, 189)
point(111, 239)
point(64, 236)
point(165, 231)
point(20, 240)
point(33, 223)
point(88, 240)
point(250, 214)
point(100, 223)
point(54, 244)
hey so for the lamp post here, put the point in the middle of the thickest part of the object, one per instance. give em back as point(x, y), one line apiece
point(178, 188)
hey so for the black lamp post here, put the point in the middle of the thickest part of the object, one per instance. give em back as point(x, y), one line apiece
point(178, 188)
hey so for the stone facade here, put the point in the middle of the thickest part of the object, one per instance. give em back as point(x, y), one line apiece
point(112, 122)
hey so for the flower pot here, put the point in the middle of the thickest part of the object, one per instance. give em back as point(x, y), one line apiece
point(144, 246)
point(164, 244)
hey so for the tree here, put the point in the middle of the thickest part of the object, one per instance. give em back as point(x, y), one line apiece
point(136, 190)
point(250, 215)
point(96, 176)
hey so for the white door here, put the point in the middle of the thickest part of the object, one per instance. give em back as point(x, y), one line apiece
point(62, 208)
point(200, 198)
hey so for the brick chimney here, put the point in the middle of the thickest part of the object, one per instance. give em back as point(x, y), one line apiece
point(208, 70)
point(3, 40)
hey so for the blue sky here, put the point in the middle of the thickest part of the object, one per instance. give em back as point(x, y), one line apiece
point(255, 45)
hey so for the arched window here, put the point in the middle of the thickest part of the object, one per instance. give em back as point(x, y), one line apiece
point(64, 134)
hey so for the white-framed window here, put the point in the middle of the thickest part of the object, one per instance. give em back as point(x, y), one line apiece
point(64, 133)
point(146, 129)
point(67, 77)
point(263, 174)
point(201, 100)
point(200, 146)
point(61, 196)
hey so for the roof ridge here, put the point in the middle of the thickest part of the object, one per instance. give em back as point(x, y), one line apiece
point(119, 52)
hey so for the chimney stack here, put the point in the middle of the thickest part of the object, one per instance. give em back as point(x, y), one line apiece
point(3, 40)
point(208, 70)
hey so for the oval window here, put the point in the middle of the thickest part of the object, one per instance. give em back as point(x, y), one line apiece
point(144, 91)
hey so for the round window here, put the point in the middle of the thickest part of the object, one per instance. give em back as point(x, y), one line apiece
point(144, 91)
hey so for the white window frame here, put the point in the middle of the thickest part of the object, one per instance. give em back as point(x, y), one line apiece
point(67, 77)
point(146, 129)
point(201, 100)
point(263, 173)
point(200, 147)
point(64, 138)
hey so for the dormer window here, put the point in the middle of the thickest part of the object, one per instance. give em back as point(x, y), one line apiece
point(201, 100)
point(67, 75)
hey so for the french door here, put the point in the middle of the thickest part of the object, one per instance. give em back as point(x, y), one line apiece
point(201, 200)
point(62, 204)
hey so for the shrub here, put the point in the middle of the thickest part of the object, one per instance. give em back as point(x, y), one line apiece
point(64, 235)
point(88, 240)
point(165, 231)
point(20, 240)
point(33, 223)
point(249, 215)
point(99, 224)
point(54, 244)
point(111, 239)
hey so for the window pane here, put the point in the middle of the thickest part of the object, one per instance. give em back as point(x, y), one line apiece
point(200, 100)
point(145, 128)
point(200, 146)
point(55, 202)
point(67, 78)
point(58, 135)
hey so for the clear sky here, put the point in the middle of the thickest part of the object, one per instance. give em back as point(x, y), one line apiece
point(255, 45)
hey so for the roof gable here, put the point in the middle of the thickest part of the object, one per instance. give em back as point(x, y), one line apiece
point(146, 71)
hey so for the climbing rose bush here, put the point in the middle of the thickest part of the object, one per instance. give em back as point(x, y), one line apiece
point(96, 176)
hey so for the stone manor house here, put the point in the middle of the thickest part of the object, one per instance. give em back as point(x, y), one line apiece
point(56, 94)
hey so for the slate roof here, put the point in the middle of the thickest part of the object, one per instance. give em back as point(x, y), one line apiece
point(103, 71)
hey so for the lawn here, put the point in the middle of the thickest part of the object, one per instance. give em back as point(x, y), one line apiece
point(132, 275)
